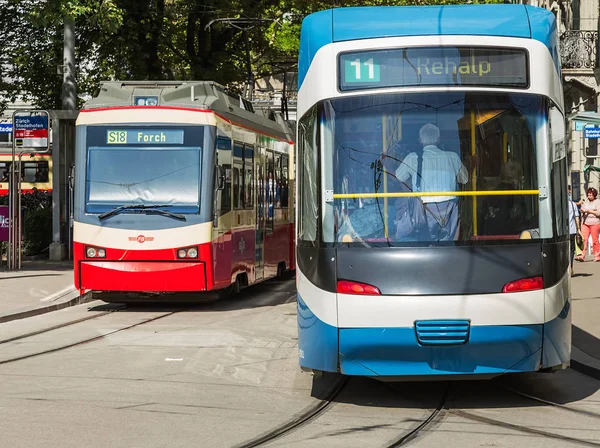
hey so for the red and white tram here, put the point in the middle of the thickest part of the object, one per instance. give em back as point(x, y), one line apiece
point(179, 188)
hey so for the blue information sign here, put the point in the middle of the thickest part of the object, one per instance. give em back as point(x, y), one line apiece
point(6, 128)
point(29, 123)
point(591, 132)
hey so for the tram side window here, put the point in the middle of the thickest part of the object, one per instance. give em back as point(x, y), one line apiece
point(237, 188)
point(278, 181)
point(226, 192)
point(270, 184)
point(307, 178)
point(34, 172)
point(284, 182)
point(559, 195)
point(248, 176)
point(4, 171)
point(224, 147)
point(238, 175)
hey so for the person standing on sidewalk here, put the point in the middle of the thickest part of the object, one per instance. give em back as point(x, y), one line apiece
point(574, 225)
point(590, 223)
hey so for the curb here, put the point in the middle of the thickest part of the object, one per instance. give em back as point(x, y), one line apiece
point(62, 299)
point(584, 363)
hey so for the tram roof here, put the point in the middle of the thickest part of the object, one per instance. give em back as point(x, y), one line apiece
point(201, 95)
point(369, 22)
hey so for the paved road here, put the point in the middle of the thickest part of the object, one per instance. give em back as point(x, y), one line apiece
point(218, 375)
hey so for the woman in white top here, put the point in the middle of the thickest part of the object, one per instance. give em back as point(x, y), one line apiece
point(590, 223)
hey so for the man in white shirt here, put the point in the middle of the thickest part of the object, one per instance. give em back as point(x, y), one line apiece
point(440, 171)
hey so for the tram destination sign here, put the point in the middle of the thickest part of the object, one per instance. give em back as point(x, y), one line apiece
point(433, 66)
point(144, 137)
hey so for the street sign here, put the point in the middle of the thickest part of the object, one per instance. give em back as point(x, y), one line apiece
point(591, 132)
point(6, 128)
point(31, 131)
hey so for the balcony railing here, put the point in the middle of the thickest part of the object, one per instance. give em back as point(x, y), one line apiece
point(578, 49)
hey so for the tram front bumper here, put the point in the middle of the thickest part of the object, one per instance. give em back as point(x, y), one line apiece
point(490, 350)
point(143, 276)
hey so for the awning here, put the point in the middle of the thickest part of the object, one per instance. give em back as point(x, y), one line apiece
point(586, 117)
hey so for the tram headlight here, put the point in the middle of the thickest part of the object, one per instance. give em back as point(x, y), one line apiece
point(95, 252)
point(187, 252)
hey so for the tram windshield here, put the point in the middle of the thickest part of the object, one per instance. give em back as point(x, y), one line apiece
point(431, 167)
point(142, 167)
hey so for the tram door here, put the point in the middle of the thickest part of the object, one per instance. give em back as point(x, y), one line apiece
point(260, 215)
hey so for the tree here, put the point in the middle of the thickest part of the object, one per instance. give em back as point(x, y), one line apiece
point(150, 39)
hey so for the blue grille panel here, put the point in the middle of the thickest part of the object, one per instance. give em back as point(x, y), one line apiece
point(442, 332)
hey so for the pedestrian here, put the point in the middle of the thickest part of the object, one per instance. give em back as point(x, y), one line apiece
point(574, 226)
point(590, 223)
point(431, 171)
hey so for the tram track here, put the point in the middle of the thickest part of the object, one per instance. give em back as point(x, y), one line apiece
point(521, 428)
point(62, 325)
point(300, 420)
point(468, 415)
point(80, 342)
point(318, 409)
point(560, 406)
point(414, 433)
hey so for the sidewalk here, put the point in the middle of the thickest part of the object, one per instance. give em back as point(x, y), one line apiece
point(39, 287)
point(585, 290)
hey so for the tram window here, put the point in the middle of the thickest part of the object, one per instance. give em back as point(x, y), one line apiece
point(35, 172)
point(4, 171)
point(248, 176)
point(560, 197)
point(270, 185)
point(307, 178)
point(226, 192)
point(482, 144)
point(237, 188)
point(284, 182)
point(278, 181)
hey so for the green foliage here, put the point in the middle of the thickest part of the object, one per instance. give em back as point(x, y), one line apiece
point(151, 39)
point(37, 230)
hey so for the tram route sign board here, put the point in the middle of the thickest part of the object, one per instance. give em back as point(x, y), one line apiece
point(31, 131)
point(4, 223)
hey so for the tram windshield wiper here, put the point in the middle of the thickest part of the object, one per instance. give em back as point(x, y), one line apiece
point(150, 209)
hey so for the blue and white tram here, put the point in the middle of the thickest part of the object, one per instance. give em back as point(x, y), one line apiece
point(432, 226)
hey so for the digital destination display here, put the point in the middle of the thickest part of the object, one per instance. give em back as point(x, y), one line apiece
point(433, 66)
point(144, 137)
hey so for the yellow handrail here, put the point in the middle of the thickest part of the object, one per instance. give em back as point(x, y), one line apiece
point(436, 193)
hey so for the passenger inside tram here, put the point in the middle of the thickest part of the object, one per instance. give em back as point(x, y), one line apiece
point(494, 136)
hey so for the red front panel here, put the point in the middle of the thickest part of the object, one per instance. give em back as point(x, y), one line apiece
point(142, 276)
point(143, 270)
